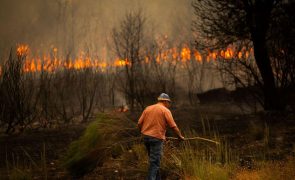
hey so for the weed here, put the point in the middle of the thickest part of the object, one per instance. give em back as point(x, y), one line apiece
point(28, 167)
point(101, 140)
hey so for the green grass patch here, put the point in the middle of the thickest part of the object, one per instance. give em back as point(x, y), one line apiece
point(101, 140)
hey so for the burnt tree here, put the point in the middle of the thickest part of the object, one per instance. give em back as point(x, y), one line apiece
point(128, 40)
point(18, 95)
point(229, 21)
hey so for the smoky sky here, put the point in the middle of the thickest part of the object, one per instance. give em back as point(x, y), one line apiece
point(85, 23)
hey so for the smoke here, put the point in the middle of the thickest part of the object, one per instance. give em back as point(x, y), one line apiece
point(85, 24)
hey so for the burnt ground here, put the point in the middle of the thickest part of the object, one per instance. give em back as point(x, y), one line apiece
point(29, 147)
point(246, 133)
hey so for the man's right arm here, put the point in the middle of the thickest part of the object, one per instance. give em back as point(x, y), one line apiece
point(178, 133)
point(173, 125)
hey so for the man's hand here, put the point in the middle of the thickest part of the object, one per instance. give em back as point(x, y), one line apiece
point(181, 137)
point(178, 133)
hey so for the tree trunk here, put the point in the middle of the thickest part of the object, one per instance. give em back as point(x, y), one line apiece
point(259, 27)
point(272, 100)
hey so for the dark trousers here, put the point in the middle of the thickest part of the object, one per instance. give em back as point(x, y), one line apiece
point(154, 148)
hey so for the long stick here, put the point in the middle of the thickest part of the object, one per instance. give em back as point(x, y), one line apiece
point(195, 138)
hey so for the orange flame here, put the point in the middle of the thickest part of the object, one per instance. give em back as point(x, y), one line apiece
point(22, 50)
point(198, 56)
point(185, 54)
point(228, 53)
point(121, 62)
point(53, 62)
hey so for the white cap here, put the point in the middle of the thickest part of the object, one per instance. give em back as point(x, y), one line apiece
point(164, 97)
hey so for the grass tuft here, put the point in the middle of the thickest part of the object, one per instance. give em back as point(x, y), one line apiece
point(101, 140)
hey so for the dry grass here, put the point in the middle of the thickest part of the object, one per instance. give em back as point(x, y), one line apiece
point(278, 170)
point(20, 169)
point(111, 146)
point(124, 156)
point(182, 160)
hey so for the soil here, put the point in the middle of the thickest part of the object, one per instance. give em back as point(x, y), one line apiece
point(245, 132)
point(27, 149)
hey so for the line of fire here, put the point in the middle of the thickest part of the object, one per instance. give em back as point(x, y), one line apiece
point(147, 89)
point(54, 61)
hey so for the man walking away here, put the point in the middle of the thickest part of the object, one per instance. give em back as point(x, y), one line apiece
point(152, 124)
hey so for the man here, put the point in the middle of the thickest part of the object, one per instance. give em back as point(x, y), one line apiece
point(152, 124)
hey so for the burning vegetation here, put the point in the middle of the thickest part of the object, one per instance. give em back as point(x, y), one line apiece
point(232, 80)
point(54, 61)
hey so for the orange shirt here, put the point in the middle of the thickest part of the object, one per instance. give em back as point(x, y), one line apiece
point(154, 121)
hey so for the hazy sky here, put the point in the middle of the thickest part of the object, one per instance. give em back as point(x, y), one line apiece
point(45, 23)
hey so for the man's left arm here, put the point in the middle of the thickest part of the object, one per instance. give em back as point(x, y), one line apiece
point(140, 121)
point(139, 126)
